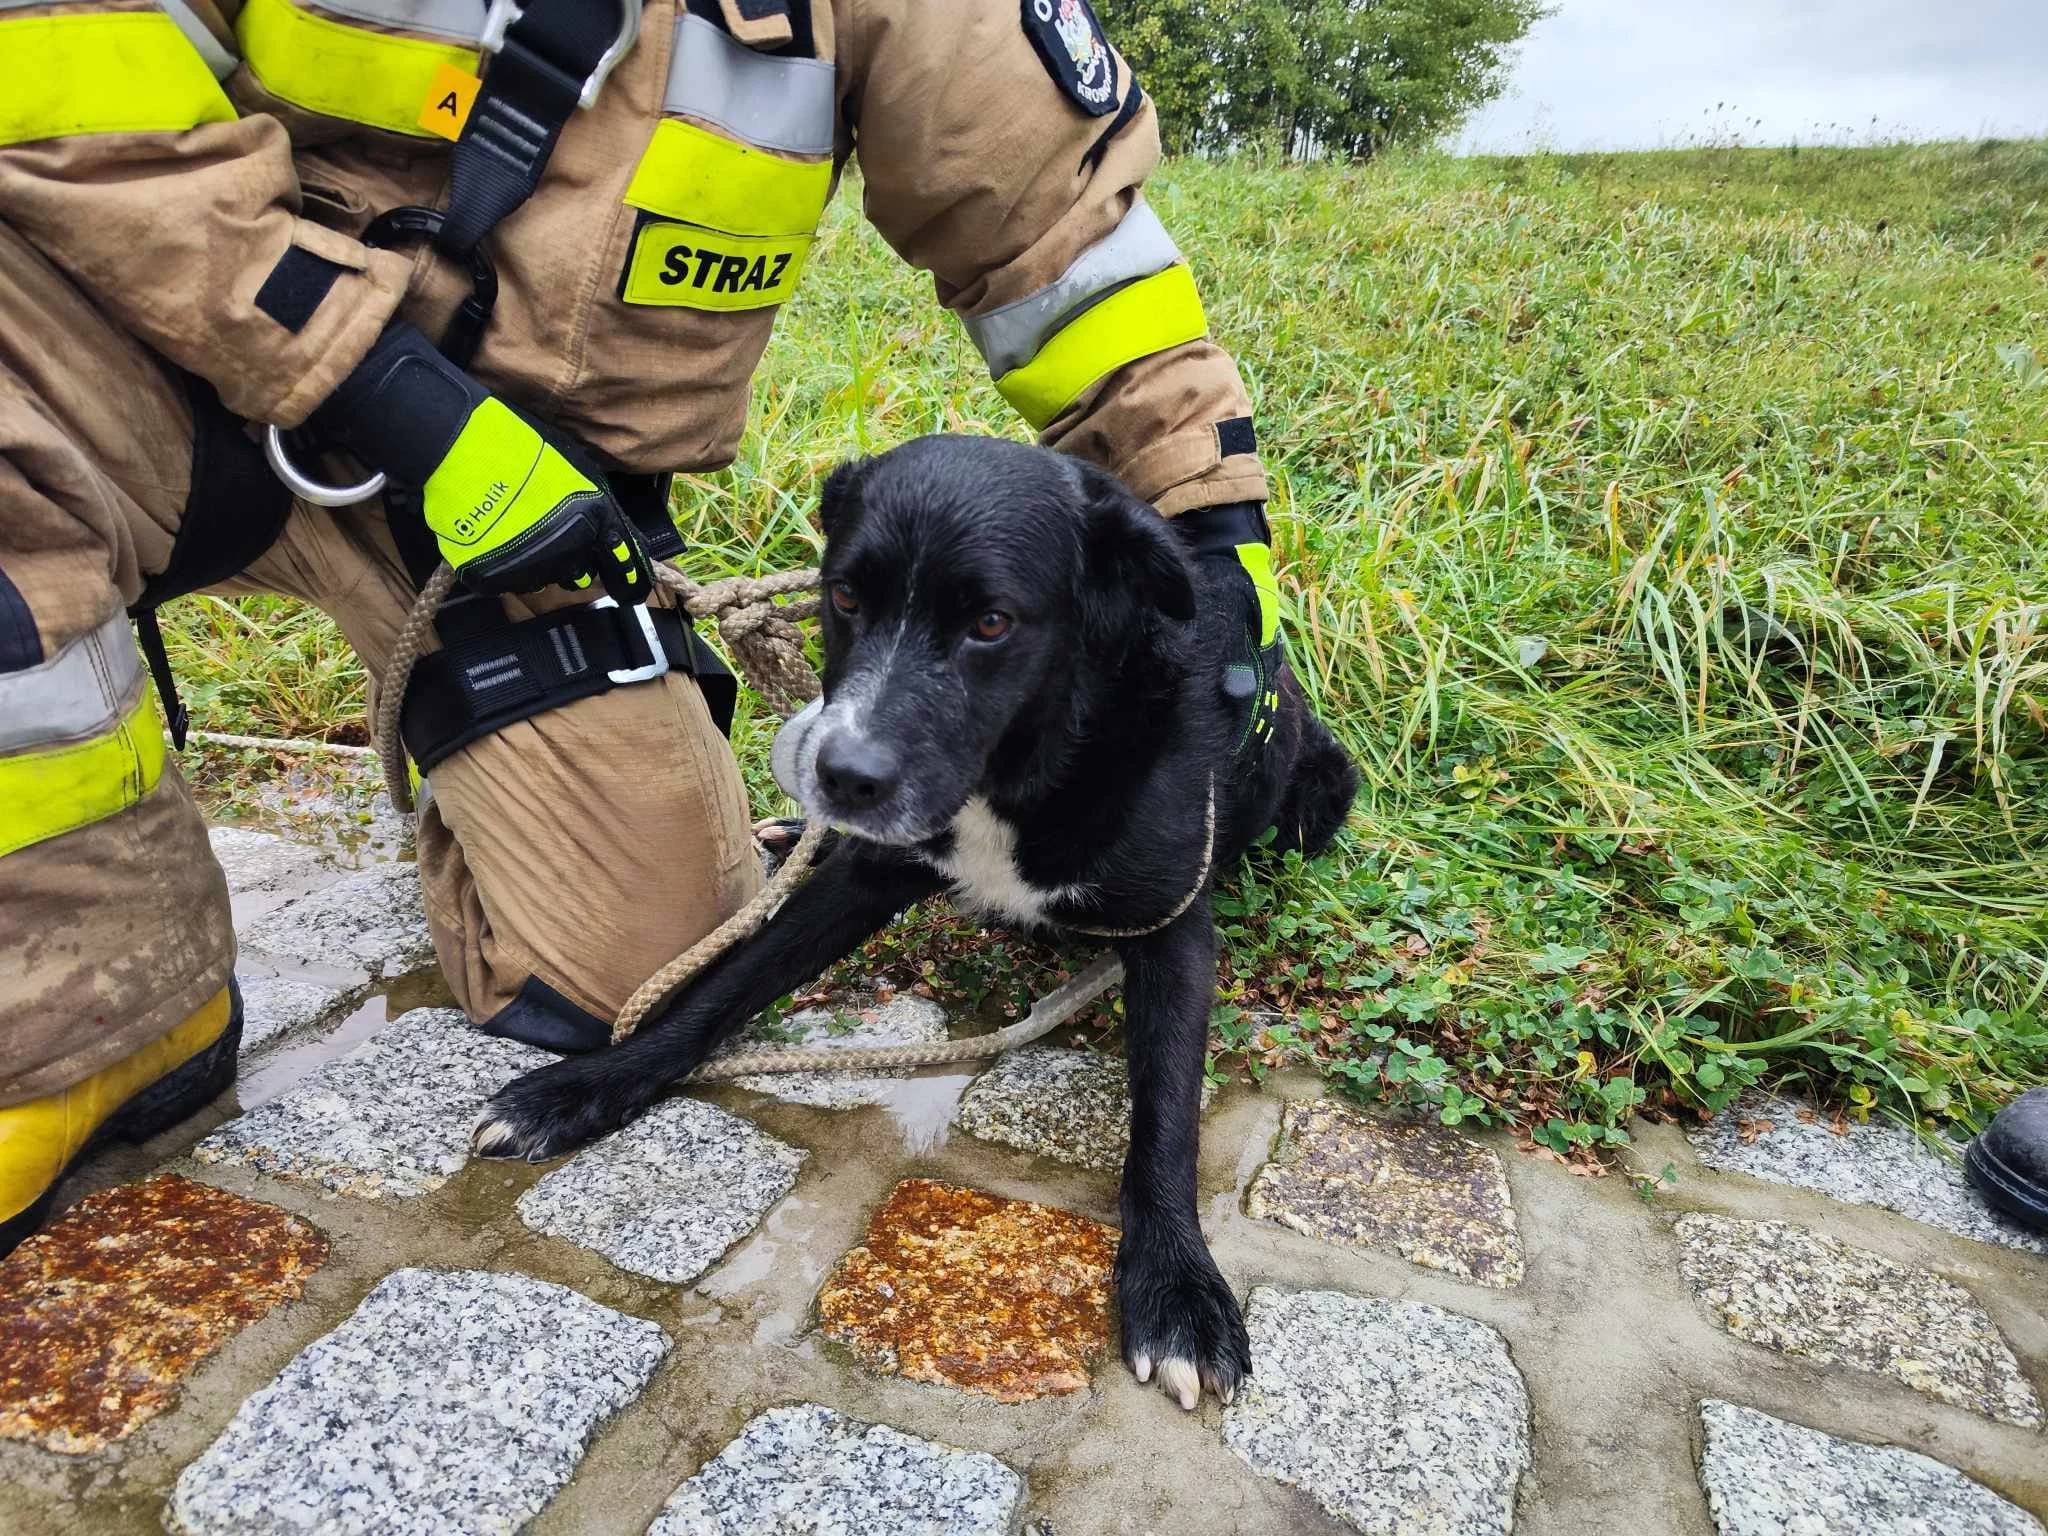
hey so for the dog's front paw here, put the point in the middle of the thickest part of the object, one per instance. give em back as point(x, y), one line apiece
point(552, 1110)
point(1180, 1321)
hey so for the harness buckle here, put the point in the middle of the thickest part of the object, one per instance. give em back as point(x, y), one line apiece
point(658, 667)
point(505, 14)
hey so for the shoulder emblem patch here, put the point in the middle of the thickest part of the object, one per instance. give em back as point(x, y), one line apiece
point(1070, 43)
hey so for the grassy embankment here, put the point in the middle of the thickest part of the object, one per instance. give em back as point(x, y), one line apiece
point(1668, 535)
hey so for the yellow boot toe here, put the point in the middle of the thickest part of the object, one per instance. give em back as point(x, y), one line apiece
point(166, 1081)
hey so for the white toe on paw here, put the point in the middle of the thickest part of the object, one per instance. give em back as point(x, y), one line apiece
point(494, 1137)
point(1142, 1367)
point(1181, 1381)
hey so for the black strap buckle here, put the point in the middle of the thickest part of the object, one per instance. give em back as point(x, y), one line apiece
point(411, 224)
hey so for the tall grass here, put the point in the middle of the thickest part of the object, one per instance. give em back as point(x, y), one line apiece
point(1666, 535)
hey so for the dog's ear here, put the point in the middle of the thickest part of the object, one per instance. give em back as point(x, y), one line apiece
point(1129, 545)
point(841, 495)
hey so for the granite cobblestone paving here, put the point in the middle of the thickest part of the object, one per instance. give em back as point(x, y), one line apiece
point(798, 1305)
point(805, 1470)
point(902, 1020)
point(1071, 1106)
point(391, 1118)
point(1435, 1197)
point(1396, 1416)
point(447, 1401)
point(1807, 1294)
point(667, 1195)
point(1767, 1477)
point(372, 922)
point(1878, 1163)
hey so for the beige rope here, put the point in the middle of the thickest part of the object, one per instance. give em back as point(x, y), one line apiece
point(1047, 1014)
point(664, 983)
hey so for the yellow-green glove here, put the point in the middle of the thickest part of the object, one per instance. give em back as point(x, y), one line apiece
point(511, 509)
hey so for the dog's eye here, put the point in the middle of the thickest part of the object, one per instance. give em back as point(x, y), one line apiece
point(843, 598)
point(992, 626)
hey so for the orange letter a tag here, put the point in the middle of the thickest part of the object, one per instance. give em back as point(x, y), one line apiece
point(450, 95)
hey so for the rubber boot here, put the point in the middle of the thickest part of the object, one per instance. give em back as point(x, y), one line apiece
point(167, 1081)
point(2009, 1162)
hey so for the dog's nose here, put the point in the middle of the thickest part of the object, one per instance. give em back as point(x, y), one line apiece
point(856, 772)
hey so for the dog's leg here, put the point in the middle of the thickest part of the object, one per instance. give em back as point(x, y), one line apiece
point(1179, 1317)
point(850, 895)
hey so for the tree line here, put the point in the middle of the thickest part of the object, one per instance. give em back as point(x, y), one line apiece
point(1314, 78)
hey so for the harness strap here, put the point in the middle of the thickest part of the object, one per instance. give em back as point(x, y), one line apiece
point(511, 671)
point(552, 50)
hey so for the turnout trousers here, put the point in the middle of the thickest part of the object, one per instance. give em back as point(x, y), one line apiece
point(581, 849)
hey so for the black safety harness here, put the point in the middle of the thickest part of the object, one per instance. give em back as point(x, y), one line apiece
point(550, 58)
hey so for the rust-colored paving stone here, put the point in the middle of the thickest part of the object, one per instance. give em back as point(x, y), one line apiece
point(970, 1290)
point(103, 1315)
point(1433, 1196)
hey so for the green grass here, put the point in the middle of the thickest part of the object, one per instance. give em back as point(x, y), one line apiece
point(1668, 536)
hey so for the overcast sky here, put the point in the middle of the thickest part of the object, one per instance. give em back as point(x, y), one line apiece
point(1634, 74)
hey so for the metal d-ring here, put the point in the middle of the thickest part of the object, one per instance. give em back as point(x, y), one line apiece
point(303, 486)
point(395, 227)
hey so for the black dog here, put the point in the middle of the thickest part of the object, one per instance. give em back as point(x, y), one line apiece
point(1024, 705)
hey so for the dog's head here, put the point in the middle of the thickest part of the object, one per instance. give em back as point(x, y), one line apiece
point(968, 585)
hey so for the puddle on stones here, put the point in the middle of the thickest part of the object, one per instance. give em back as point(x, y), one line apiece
point(279, 1067)
point(921, 1108)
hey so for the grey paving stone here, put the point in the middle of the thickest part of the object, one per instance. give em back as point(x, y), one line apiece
point(372, 921)
point(392, 1117)
point(807, 1471)
point(1435, 1197)
point(666, 1196)
point(447, 1401)
point(1766, 1477)
point(273, 1006)
point(902, 1020)
point(254, 860)
point(1396, 1416)
point(1072, 1106)
point(1807, 1294)
point(1874, 1164)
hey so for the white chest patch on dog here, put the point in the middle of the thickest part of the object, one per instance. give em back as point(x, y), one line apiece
point(982, 864)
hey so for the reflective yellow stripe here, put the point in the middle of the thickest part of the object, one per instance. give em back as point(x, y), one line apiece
point(45, 794)
point(119, 72)
point(1257, 560)
point(348, 72)
point(682, 266)
point(1149, 316)
point(691, 174)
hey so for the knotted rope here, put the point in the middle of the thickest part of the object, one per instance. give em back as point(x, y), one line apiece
point(762, 636)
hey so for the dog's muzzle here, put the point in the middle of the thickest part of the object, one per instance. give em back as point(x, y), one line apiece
point(794, 758)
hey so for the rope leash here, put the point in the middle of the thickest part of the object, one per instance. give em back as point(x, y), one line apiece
point(762, 636)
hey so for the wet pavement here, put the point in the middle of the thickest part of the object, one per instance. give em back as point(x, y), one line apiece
point(885, 1304)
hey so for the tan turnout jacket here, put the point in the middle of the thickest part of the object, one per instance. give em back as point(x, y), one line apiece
point(978, 166)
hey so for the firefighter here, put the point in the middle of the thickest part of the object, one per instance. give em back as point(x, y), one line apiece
point(493, 275)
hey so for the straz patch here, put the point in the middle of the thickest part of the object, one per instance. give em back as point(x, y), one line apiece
point(683, 266)
point(1070, 42)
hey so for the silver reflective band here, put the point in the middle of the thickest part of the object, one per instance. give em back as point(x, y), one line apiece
point(785, 104)
point(204, 43)
point(81, 692)
point(1138, 247)
point(460, 21)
